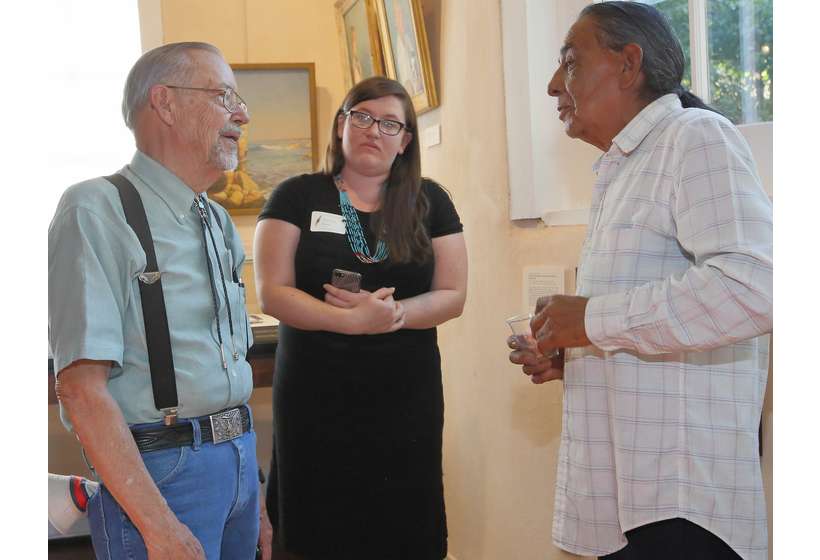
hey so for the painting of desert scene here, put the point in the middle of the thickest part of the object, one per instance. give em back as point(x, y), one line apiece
point(279, 141)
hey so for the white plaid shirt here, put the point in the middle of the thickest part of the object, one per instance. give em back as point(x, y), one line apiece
point(661, 416)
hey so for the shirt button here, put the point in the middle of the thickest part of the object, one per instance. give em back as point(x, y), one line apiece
point(182, 216)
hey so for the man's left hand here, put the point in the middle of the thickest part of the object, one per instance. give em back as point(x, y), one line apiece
point(265, 530)
point(559, 322)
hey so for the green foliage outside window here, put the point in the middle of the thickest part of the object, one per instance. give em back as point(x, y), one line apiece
point(730, 76)
point(741, 52)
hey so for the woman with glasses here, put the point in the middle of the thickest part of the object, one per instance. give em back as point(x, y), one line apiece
point(357, 392)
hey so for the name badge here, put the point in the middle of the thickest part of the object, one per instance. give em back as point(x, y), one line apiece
point(326, 222)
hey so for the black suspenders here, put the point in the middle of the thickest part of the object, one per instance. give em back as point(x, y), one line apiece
point(155, 318)
point(157, 336)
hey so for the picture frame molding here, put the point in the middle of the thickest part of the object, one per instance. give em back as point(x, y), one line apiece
point(429, 99)
point(373, 34)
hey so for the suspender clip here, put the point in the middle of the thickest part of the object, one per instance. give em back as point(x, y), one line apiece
point(169, 416)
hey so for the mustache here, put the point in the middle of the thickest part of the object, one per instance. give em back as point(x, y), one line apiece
point(231, 128)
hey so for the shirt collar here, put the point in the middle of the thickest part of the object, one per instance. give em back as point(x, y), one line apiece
point(631, 136)
point(642, 124)
point(177, 195)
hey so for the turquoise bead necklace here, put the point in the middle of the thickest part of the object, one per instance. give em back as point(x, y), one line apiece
point(353, 228)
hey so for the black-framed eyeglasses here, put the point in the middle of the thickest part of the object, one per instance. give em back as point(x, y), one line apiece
point(365, 121)
point(230, 99)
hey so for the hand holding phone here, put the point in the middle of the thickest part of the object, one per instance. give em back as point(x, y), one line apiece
point(373, 313)
point(346, 280)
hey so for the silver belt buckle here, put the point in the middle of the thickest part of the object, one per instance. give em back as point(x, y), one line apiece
point(226, 425)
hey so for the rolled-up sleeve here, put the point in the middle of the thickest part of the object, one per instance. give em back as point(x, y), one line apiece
point(723, 220)
point(89, 275)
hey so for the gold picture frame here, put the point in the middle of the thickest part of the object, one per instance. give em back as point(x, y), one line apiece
point(361, 51)
point(405, 50)
point(280, 140)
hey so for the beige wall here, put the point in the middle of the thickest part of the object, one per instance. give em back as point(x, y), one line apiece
point(501, 432)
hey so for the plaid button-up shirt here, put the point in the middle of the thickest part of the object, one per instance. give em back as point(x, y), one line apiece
point(661, 415)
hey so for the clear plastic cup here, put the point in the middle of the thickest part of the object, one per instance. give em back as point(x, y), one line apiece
point(520, 326)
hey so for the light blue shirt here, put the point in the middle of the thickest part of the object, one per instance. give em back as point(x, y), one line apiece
point(94, 304)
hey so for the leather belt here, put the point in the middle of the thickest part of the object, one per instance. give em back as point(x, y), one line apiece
point(221, 426)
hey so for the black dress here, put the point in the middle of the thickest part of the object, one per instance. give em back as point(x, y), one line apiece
point(357, 420)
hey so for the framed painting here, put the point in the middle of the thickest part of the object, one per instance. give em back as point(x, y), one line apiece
point(280, 139)
point(406, 53)
point(359, 35)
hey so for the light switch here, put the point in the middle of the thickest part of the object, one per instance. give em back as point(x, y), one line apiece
point(431, 136)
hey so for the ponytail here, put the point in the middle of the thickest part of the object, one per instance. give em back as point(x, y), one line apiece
point(689, 99)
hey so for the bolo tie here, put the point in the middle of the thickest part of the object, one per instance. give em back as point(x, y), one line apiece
point(203, 211)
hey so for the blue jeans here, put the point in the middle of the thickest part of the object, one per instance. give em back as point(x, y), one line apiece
point(213, 489)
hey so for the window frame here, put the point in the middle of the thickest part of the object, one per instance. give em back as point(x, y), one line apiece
point(699, 49)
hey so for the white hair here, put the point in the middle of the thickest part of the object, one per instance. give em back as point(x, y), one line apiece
point(171, 62)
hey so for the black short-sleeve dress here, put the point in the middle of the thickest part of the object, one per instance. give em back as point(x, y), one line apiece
point(357, 420)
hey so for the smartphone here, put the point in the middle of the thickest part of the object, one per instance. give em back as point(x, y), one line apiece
point(346, 280)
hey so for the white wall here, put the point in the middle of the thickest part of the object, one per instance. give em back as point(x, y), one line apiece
point(760, 138)
point(546, 171)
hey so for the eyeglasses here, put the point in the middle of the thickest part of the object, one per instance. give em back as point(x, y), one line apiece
point(365, 121)
point(230, 99)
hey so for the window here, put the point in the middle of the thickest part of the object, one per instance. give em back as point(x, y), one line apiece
point(729, 52)
point(99, 41)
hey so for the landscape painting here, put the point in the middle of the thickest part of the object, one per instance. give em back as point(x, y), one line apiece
point(280, 140)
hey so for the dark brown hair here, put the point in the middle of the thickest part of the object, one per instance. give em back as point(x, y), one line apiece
point(400, 219)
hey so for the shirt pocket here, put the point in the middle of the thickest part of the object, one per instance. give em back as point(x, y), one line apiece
point(620, 257)
point(239, 321)
point(239, 316)
point(242, 319)
point(633, 201)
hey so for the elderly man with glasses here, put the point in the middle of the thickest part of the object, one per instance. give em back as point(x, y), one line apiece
point(665, 347)
point(148, 327)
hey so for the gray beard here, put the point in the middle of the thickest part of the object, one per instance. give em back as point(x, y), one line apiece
point(225, 160)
